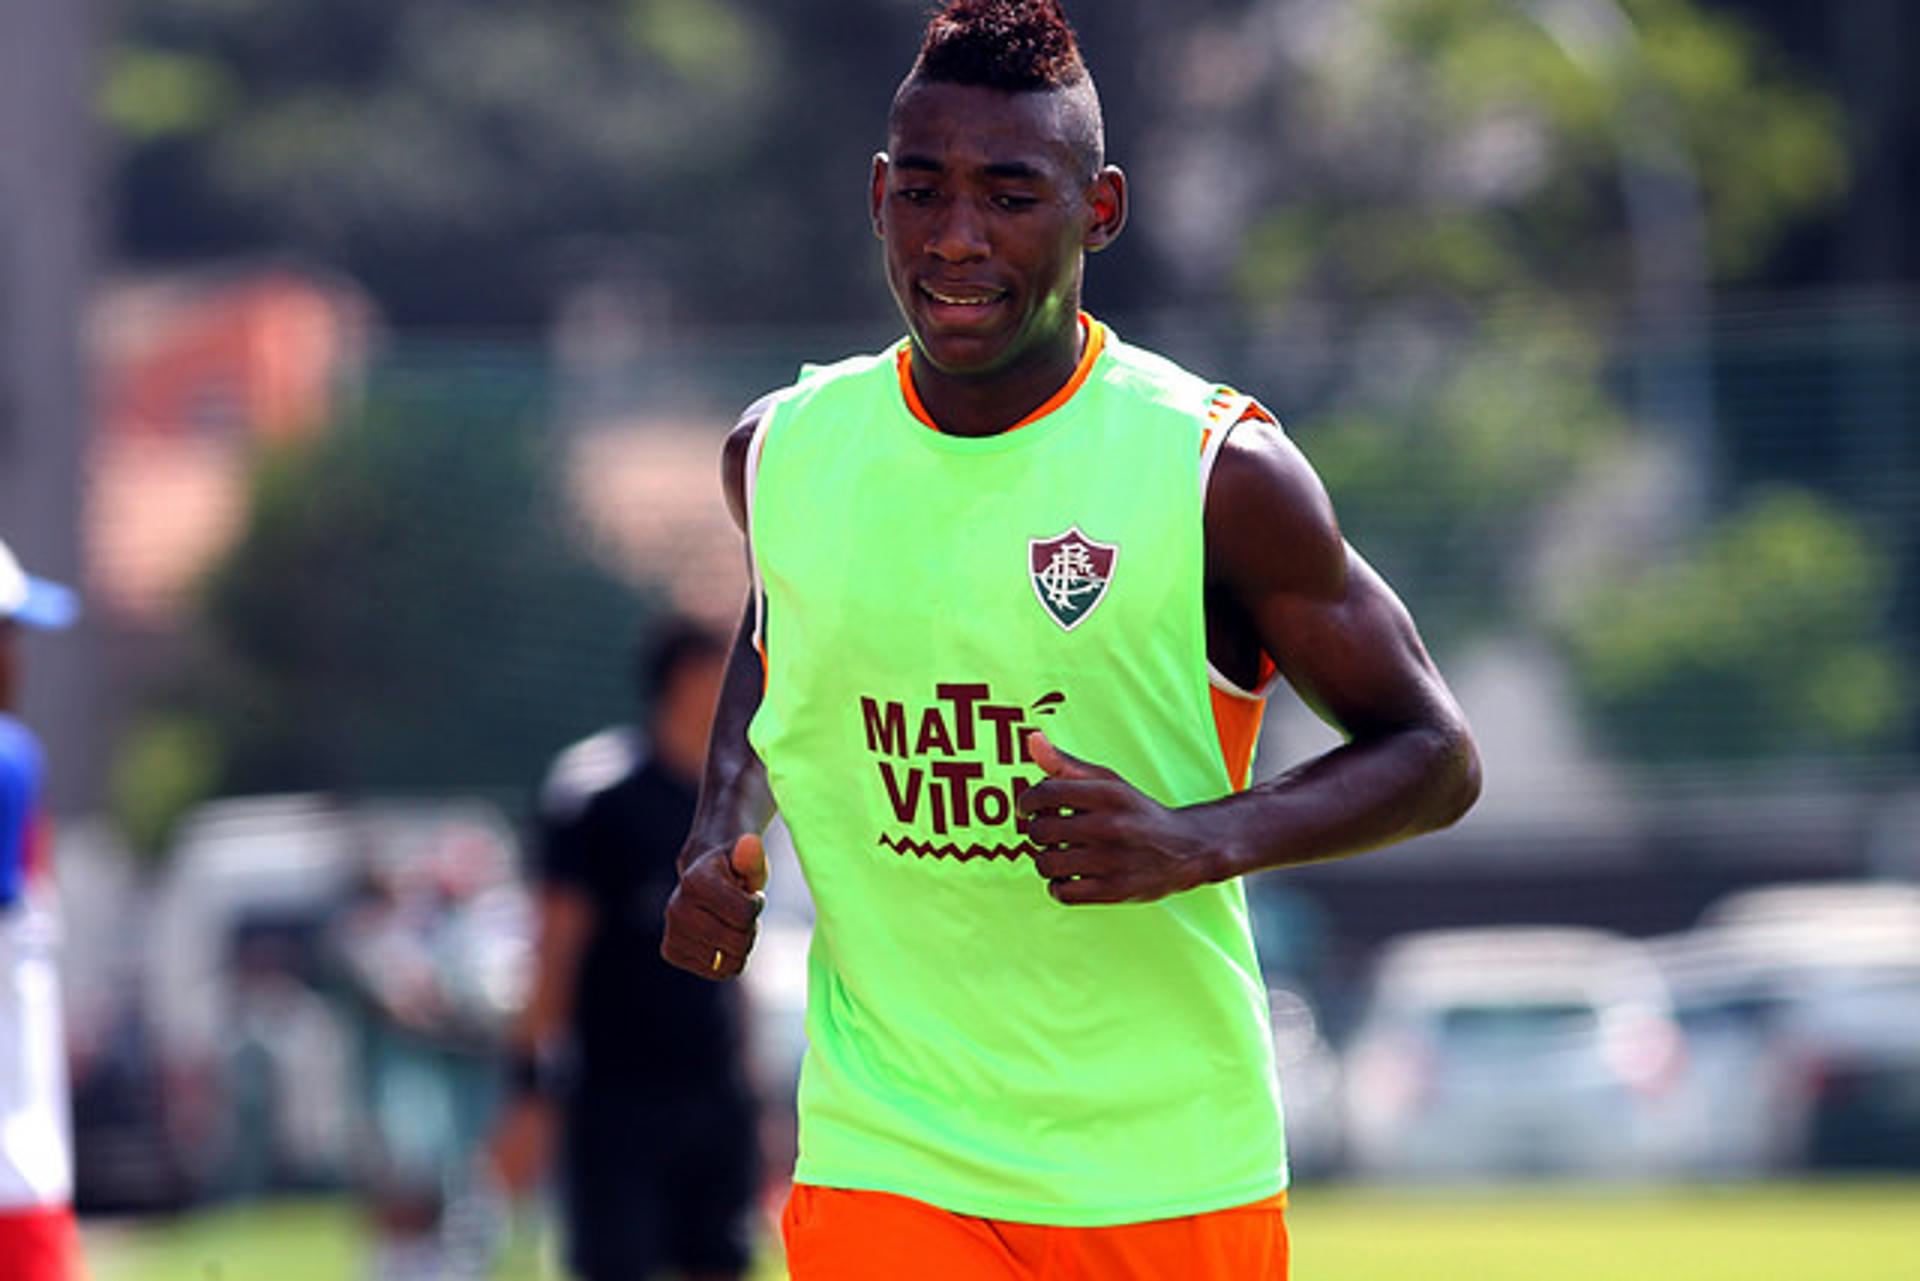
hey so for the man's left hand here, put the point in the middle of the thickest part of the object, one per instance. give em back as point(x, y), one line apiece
point(1103, 840)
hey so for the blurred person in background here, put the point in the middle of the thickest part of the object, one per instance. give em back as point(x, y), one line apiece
point(38, 1239)
point(420, 950)
point(635, 1067)
point(1037, 1042)
point(286, 1071)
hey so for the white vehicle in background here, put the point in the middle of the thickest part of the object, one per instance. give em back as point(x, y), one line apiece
point(246, 1034)
point(1801, 1007)
point(1511, 1051)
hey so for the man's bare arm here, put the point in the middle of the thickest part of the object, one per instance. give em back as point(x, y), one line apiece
point(712, 917)
point(1349, 648)
point(733, 786)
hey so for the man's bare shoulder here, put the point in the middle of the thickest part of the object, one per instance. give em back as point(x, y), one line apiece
point(733, 457)
point(1270, 525)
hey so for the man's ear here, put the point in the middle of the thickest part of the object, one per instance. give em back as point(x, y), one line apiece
point(877, 196)
point(1107, 198)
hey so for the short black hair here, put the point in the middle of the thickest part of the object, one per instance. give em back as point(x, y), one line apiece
point(673, 644)
point(1013, 45)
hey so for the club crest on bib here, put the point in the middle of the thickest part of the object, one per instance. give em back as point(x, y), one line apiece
point(1070, 573)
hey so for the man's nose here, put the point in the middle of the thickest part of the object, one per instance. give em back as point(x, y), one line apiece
point(959, 234)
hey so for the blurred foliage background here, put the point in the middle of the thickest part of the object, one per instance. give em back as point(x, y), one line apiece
point(1497, 263)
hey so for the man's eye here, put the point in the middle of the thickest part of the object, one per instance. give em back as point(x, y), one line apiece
point(915, 195)
point(1013, 203)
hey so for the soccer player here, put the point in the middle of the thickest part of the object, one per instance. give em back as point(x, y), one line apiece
point(38, 1241)
point(1020, 589)
point(640, 1065)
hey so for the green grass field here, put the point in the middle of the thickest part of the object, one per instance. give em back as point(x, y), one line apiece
point(1799, 1232)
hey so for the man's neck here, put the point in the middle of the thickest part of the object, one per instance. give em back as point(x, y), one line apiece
point(992, 403)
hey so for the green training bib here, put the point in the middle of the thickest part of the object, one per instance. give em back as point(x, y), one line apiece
point(928, 599)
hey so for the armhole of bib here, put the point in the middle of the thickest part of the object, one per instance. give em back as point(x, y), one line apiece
point(1237, 710)
point(755, 448)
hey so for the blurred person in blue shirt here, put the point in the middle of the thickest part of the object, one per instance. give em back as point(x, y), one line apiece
point(38, 1241)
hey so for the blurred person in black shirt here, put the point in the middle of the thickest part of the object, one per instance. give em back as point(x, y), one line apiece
point(635, 1067)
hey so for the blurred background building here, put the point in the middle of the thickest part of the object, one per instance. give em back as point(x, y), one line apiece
point(366, 366)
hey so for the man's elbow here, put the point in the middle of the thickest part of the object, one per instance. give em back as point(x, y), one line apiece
point(1456, 773)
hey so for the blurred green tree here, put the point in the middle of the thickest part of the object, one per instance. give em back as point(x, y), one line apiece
point(1768, 640)
point(168, 761)
point(1449, 238)
point(1446, 219)
point(466, 159)
point(406, 608)
point(1479, 238)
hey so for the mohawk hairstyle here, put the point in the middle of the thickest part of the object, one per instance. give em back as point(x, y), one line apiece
point(1012, 45)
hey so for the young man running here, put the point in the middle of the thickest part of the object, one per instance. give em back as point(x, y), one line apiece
point(1020, 590)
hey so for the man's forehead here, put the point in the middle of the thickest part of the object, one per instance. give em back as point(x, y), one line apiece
point(968, 124)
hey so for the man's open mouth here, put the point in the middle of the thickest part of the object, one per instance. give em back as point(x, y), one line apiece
point(951, 297)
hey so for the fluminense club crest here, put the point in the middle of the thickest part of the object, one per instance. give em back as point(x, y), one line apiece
point(1070, 574)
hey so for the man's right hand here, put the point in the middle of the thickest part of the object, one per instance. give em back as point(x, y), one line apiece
point(714, 913)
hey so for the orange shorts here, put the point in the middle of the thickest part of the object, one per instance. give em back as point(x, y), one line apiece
point(833, 1234)
point(39, 1245)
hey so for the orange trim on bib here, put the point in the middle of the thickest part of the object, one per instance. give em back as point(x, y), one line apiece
point(1237, 718)
point(1096, 341)
point(840, 1234)
point(1237, 721)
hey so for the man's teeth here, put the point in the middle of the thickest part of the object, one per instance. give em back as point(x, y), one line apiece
point(952, 301)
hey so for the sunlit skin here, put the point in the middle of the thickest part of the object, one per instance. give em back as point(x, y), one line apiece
point(987, 209)
point(987, 205)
